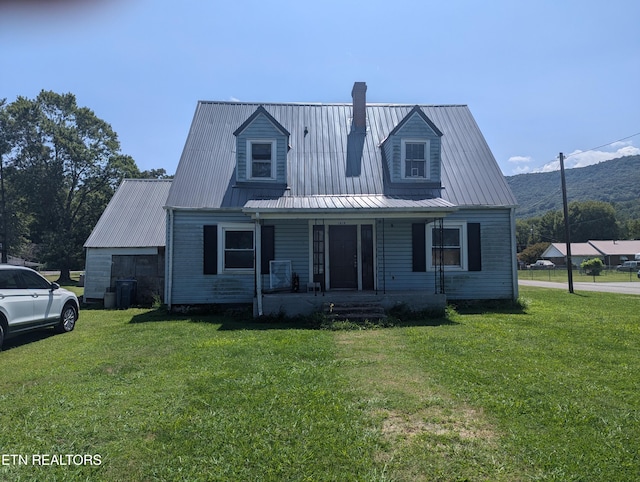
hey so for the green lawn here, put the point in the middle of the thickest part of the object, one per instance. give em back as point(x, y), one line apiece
point(550, 393)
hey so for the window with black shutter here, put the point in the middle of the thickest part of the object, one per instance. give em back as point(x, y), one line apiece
point(474, 247)
point(268, 251)
point(210, 254)
point(418, 247)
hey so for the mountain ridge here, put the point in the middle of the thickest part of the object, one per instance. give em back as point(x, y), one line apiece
point(616, 181)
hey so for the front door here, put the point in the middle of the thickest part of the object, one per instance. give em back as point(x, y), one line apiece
point(343, 257)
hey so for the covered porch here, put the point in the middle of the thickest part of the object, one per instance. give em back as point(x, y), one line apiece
point(359, 250)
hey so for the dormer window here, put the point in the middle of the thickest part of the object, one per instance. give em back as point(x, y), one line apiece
point(261, 155)
point(415, 159)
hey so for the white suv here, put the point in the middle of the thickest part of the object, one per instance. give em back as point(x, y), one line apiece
point(29, 302)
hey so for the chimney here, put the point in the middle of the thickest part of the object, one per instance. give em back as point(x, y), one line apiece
point(359, 96)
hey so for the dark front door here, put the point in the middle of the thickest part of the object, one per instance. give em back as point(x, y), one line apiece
point(343, 257)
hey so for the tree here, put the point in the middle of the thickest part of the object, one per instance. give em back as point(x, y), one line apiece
point(632, 229)
point(592, 220)
point(66, 165)
point(5, 148)
point(154, 174)
point(13, 222)
point(533, 253)
point(592, 266)
point(551, 227)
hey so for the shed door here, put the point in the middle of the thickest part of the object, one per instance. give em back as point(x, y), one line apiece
point(343, 257)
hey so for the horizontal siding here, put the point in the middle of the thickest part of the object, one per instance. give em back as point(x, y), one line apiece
point(97, 273)
point(393, 263)
point(292, 243)
point(416, 128)
point(190, 285)
point(395, 267)
point(262, 128)
point(495, 280)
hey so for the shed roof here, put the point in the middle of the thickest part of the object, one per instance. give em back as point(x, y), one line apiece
point(317, 161)
point(134, 217)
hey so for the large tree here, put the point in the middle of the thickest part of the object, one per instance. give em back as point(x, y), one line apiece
point(592, 220)
point(66, 164)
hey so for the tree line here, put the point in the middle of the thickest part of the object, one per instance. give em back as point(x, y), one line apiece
point(59, 166)
point(588, 220)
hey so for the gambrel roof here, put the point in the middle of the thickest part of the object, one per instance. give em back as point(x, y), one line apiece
point(134, 218)
point(317, 160)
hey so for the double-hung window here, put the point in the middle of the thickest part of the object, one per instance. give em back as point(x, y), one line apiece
point(415, 159)
point(237, 248)
point(261, 155)
point(448, 246)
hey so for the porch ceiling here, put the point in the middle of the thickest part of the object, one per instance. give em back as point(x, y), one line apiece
point(369, 206)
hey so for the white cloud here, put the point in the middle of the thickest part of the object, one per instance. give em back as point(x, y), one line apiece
point(549, 166)
point(580, 158)
point(522, 170)
point(233, 99)
point(519, 159)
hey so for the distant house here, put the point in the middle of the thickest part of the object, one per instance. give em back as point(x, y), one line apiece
point(557, 252)
point(611, 252)
point(615, 252)
point(128, 242)
point(401, 203)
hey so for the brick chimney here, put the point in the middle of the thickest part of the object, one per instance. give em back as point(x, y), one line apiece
point(359, 96)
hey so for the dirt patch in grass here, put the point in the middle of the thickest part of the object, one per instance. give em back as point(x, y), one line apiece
point(465, 423)
point(424, 433)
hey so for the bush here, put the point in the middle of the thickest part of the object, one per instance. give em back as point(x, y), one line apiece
point(592, 266)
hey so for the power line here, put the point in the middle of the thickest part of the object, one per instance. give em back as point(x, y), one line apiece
point(603, 145)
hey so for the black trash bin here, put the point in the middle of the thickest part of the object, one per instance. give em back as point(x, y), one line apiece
point(126, 293)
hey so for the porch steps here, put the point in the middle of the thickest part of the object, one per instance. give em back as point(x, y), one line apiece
point(355, 311)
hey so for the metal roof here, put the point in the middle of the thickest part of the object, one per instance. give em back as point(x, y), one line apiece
point(617, 247)
point(369, 204)
point(577, 249)
point(317, 160)
point(134, 217)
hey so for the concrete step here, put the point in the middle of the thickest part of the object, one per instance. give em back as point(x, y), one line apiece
point(354, 311)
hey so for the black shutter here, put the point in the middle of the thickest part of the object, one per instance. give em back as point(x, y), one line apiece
point(473, 247)
point(210, 254)
point(419, 247)
point(268, 251)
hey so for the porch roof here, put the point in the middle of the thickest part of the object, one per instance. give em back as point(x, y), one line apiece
point(369, 206)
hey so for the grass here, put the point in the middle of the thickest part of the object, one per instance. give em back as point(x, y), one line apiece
point(548, 393)
point(560, 275)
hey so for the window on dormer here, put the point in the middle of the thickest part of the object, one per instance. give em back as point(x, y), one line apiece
point(415, 164)
point(261, 155)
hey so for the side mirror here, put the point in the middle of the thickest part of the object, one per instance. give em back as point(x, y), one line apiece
point(54, 286)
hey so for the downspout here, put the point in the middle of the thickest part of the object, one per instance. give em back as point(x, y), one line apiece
point(514, 256)
point(258, 269)
point(169, 259)
point(384, 259)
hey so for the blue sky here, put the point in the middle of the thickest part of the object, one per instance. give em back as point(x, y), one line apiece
point(540, 77)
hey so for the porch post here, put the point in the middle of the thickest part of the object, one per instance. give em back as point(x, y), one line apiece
point(258, 267)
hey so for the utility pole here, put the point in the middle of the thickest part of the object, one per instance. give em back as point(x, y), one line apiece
point(566, 224)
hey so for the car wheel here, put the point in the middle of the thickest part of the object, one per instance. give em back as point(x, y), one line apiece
point(1, 335)
point(68, 318)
